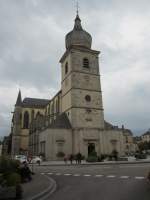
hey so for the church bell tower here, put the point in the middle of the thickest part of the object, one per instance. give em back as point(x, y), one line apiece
point(81, 89)
point(16, 131)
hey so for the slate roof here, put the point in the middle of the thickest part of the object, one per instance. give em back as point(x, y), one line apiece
point(33, 102)
point(61, 121)
point(147, 133)
point(108, 125)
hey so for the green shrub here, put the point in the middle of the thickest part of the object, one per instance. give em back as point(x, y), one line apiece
point(10, 178)
point(8, 165)
point(13, 179)
point(9, 171)
point(93, 153)
point(92, 159)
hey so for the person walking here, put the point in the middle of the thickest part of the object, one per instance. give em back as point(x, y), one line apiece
point(79, 158)
point(71, 158)
point(65, 159)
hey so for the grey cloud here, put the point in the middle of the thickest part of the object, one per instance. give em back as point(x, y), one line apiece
point(32, 42)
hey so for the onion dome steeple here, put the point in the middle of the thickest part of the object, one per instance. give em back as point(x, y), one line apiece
point(78, 36)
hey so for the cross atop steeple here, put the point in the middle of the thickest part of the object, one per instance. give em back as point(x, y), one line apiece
point(77, 7)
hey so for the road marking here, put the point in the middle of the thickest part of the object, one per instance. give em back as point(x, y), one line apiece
point(111, 176)
point(124, 177)
point(99, 175)
point(134, 166)
point(106, 167)
point(67, 174)
point(58, 174)
point(139, 177)
point(76, 174)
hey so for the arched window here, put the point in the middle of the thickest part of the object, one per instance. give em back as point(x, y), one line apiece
point(52, 108)
point(66, 68)
point(57, 106)
point(26, 120)
point(46, 112)
point(85, 62)
point(37, 114)
point(48, 109)
point(32, 115)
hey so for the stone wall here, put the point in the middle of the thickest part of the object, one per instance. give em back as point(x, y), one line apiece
point(56, 140)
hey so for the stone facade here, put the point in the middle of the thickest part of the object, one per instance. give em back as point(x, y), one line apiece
point(146, 136)
point(73, 120)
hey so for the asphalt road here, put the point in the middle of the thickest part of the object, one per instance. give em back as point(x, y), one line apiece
point(110, 182)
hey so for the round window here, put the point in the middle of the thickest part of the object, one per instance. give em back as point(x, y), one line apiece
point(88, 98)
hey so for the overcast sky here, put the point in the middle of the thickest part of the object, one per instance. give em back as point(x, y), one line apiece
point(32, 40)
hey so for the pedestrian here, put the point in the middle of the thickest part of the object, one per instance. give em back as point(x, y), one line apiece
point(29, 158)
point(39, 162)
point(65, 159)
point(76, 159)
point(25, 172)
point(79, 158)
point(71, 158)
point(148, 176)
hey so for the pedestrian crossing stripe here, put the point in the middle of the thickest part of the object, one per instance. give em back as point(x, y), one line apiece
point(67, 174)
point(139, 177)
point(90, 175)
point(99, 175)
point(111, 176)
point(124, 177)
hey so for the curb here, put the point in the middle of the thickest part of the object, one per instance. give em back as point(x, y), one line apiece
point(89, 164)
point(47, 192)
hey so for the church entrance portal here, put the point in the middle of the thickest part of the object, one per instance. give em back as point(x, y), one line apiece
point(91, 148)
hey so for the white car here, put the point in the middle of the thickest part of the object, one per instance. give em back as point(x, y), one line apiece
point(21, 158)
point(131, 158)
point(36, 159)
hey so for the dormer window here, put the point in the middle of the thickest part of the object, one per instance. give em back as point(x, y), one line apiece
point(66, 68)
point(85, 63)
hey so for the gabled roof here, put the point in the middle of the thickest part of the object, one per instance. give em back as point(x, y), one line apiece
point(33, 102)
point(61, 121)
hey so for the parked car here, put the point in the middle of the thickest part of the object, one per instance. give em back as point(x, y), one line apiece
point(21, 158)
point(140, 156)
point(131, 158)
point(36, 159)
point(127, 158)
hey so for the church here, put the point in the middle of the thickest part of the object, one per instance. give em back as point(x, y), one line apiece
point(73, 120)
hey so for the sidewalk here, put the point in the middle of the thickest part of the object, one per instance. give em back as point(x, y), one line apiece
point(38, 187)
point(61, 163)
